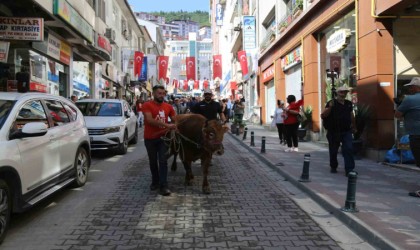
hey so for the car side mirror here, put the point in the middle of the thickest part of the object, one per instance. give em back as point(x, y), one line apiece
point(127, 114)
point(31, 129)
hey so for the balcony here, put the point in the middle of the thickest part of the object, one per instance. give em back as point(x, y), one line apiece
point(269, 38)
point(290, 17)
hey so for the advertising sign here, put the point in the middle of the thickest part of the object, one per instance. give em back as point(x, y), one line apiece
point(268, 74)
point(4, 51)
point(54, 47)
point(291, 59)
point(338, 40)
point(249, 33)
point(65, 51)
point(219, 14)
point(22, 28)
point(143, 74)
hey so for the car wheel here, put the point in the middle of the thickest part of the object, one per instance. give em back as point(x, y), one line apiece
point(81, 167)
point(122, 150)
point(136, 136)
point(5, 208)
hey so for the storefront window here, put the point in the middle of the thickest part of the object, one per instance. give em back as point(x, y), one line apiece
point(338, 47)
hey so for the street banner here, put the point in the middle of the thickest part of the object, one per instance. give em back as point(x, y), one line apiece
point(243, 61)
point(185, 85)
point(4, 51)
point(151, 68)
point(138, 62)
point(217, 66)
point(190, 63)
point(219, 14)
point(163, 66)
point(175, 83)
point(204, 68)
point(175, 67)
point(126, 57)
point(196, 84)
point(205, 84)
point(143, 73)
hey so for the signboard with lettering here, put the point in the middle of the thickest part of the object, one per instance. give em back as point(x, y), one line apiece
point(4, 51)
point(291, 59)
point(268, 74)
point(64, 10)
point(22, 28)
point(65, 51)
point(219, 14)
point(338, 40)
point(54, 45)
point(249, 33)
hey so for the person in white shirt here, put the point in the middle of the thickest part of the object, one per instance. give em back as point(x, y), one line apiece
point(278, 118)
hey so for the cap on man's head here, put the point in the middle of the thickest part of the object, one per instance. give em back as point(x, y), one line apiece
point(414, 82)
point(208, 91)
point(343, 88)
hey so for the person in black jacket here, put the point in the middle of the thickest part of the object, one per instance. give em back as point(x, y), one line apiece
point(208, 107)
point(340, 116)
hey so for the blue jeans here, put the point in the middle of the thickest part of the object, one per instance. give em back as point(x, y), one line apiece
point(346, 141)
point(157, 152)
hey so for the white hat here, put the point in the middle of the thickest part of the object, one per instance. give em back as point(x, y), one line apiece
point(343, 88)
point(208, 91)
point(414, 82)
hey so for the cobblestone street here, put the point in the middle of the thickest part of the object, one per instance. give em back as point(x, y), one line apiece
point(246, 210)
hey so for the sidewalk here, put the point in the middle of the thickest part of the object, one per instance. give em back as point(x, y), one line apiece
point(388, 218)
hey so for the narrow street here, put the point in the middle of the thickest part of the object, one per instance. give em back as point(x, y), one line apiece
point(249, 208)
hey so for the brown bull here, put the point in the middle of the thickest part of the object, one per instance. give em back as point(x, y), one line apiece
point(197, 138)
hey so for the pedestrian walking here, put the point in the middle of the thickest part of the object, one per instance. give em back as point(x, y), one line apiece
point(291, 123)
point(156, 113)
point(278, 120)
point(208, 107)
point(409, 110)
point(338, 119)
point(139, 110)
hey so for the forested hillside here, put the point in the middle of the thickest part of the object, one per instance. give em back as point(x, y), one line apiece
point(202, 17)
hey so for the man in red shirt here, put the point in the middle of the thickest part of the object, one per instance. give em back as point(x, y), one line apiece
point(156, 113)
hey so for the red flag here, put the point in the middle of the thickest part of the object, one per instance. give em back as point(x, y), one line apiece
point(185, 85)
point(243, 61)
point(196, 83)
point(205, 84)
point(163, 66)
point(190, 61)
point(217, 66)
point(175, 83)
point(233, 85)
point(138, 62)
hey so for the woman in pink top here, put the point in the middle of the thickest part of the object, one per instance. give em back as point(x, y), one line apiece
point(291, 123)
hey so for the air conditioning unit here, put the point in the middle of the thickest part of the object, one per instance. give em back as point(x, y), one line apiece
point(110, 34)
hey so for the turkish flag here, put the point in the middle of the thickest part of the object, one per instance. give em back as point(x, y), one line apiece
point(196, 84)
point(217, 66)
point(190, 61)
point(163, 66)
point(233, 85)
point(243, 61)
point(185, 85)
point(205, 84)
point(175, 83)
point(138, 62)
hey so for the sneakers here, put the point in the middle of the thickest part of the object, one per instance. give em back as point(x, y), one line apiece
point(289, 150)
point(295, 149)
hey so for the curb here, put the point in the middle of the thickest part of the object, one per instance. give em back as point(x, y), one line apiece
point(356, 225)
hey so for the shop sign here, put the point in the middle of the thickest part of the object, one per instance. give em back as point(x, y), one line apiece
point(65, 52)
point(4, 51)
point(268, 74)
point(249, 33)
point(291, 59)
point(64, 10)
point(338, 40)
point(37, 87)
point(54, 46)
point(108, 71)
point(103, 44)
point(22, 28)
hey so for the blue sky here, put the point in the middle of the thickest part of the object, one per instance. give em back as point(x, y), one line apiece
point(169, 5)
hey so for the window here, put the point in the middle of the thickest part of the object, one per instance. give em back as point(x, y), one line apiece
point(58, 112)
point(90, 2)
point(32, 111)
point(100, 9)
point(71, 112)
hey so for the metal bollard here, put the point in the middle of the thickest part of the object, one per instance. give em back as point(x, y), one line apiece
point(263, 145)
point(245, 132)
point(237, 130)
point(252, 139)
point(350, 205)
point(305, 171)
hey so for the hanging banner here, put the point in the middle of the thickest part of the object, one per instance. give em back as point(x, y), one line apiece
point(249, 33)
point(204, 68)
point(143, 74)
point(175, 67)
point(190, 63)
point(4, 51)
point(22, 28)
point(151, 68)
point(243, 61)
point(127, 55)
point(163, 67)
point(138, 61)
point(217, 66)
point(219, 14)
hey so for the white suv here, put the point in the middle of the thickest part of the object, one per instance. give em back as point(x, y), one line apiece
point(111, 123)
point(44, 146)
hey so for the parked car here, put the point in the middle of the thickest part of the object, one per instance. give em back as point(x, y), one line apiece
point(44, 146)
point(111, 123)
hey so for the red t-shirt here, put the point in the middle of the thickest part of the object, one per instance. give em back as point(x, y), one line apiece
point(292, 118)
point(139, 107)
point(159, 112)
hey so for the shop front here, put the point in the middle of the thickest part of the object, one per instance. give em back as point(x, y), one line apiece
point(270, 92)
point(292, 67)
